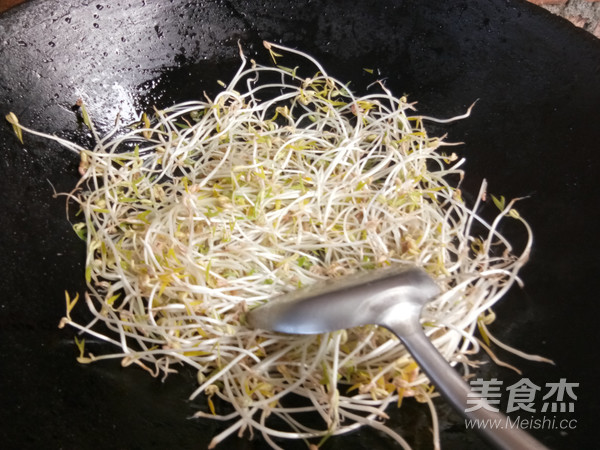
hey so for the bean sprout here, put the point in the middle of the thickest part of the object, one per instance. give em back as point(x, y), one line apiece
point(214, 206)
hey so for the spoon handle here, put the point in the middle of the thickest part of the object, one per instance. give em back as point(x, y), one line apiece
point(454, 389)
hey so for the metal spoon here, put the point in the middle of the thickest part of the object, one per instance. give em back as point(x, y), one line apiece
point(391, 298)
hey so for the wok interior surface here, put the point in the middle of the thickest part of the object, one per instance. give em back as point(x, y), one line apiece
point(533, 133)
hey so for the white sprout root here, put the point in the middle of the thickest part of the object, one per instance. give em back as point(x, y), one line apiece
point(214, 207)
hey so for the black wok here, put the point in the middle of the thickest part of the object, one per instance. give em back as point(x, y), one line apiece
point(534, 132)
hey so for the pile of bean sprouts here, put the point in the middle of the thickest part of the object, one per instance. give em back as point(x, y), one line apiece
point(212, 207)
